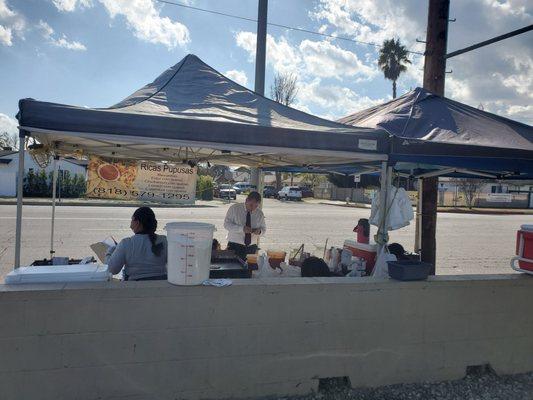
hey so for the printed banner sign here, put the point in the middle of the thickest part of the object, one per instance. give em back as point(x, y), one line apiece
point(141, 180)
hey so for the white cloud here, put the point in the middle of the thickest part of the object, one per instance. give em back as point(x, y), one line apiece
point(144, 19)
point(337, 100)
point(373, 20)
point(237, 76)
point(45, 29)
point(322, 59)
point(70, 5)
point(69, 45)
point(11, 24)
point(8, 124)
point(5, 36)
point(524, 113)
point(518, 8)
point(325, 59)
point(280, 54)
point(499, 76)
point(48, 33)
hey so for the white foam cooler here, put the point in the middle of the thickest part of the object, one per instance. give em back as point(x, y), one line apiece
point(189, 252)
point(59, 274)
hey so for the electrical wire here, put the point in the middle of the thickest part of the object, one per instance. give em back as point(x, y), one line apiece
point(292, 28)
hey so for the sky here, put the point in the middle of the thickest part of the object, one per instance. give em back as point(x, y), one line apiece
point(94, 53)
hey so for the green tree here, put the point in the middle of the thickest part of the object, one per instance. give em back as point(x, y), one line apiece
point(392, 61)
point(204, 187)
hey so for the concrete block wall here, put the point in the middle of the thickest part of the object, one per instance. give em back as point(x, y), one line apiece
point(152, 340)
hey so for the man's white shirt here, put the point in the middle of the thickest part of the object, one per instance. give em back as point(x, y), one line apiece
point(236, 220)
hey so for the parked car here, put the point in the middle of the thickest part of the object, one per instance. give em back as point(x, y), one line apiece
point(269, 191)
point(225, 192)
point(307, 192)
point(241, 187)
point(290, 193)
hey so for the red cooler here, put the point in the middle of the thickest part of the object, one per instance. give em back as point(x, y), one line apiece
point(524, 248)
point(366, 251)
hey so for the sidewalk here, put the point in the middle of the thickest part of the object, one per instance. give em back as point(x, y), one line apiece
point(487, 211)
point(108, 203)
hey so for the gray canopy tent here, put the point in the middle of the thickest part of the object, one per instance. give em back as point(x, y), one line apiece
point(436, 135)
point(192, 112)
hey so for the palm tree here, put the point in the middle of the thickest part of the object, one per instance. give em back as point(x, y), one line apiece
point(392, 60)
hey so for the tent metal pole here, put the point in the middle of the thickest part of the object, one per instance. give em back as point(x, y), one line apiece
point(20, 186)
point(54, 187)
point(382, 234)
point(418, 216)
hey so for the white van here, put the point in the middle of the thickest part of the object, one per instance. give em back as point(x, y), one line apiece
point(241, 187)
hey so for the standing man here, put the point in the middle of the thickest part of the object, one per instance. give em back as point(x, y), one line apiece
point(245, 223)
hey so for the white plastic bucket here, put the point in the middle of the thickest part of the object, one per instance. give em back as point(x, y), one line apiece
point(189, 252)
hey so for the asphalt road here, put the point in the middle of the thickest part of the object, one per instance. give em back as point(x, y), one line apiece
point(467, 243)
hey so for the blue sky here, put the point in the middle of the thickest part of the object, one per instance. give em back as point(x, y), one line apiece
point(96, 52)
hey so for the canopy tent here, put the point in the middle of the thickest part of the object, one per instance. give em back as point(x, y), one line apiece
point(192, 111)
point(429, 132)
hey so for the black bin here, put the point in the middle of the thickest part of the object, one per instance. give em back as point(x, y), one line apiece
point(409, 270)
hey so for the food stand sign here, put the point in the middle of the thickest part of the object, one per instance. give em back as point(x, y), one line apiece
point(141, 180)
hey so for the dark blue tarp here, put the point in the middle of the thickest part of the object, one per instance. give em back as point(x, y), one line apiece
point(194, 104)
point(436, 131)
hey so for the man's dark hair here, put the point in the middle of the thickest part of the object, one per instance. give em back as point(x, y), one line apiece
point(254, 196)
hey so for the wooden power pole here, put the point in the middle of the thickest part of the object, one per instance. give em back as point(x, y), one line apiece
point(434, 78)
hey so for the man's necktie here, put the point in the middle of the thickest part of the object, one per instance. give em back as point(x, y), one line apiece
point(248, 236)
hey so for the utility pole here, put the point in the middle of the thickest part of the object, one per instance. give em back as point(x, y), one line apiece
point(260, 61)
point(434, 78)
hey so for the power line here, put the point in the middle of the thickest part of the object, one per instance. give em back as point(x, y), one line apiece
point(490, 41)
point(292, 28)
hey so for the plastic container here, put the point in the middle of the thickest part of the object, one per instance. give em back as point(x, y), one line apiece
point(189, 252)
point(275, 258)
point(524, 248)
point(58, 274)
point(251, 260)
point(408, 270)
point(362, 250)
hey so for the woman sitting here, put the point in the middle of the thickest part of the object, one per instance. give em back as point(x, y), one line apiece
point(143, 255)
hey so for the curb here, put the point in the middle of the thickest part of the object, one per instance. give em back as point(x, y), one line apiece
point(451, 210)
point(110, 204)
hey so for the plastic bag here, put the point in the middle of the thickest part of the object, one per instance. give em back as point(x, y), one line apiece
point(264, 270)
point(381, 268)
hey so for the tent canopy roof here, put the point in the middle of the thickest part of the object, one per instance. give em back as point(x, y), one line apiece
point(193, 111)
point(436, 131)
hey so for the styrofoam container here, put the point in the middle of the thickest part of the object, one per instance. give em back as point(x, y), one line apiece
point(189, 252)
point(59, 273)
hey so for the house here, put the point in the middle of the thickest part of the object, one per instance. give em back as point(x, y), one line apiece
point(241, 174)
point(492, 194)
point(9, 169)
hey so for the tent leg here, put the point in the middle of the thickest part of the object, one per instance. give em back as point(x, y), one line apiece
point(54, 187)
point(20, 186)
point(385, 183)
point(418, 217)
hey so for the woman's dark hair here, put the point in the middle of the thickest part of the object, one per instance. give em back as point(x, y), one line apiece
point(146, 217)
point(314, 266)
